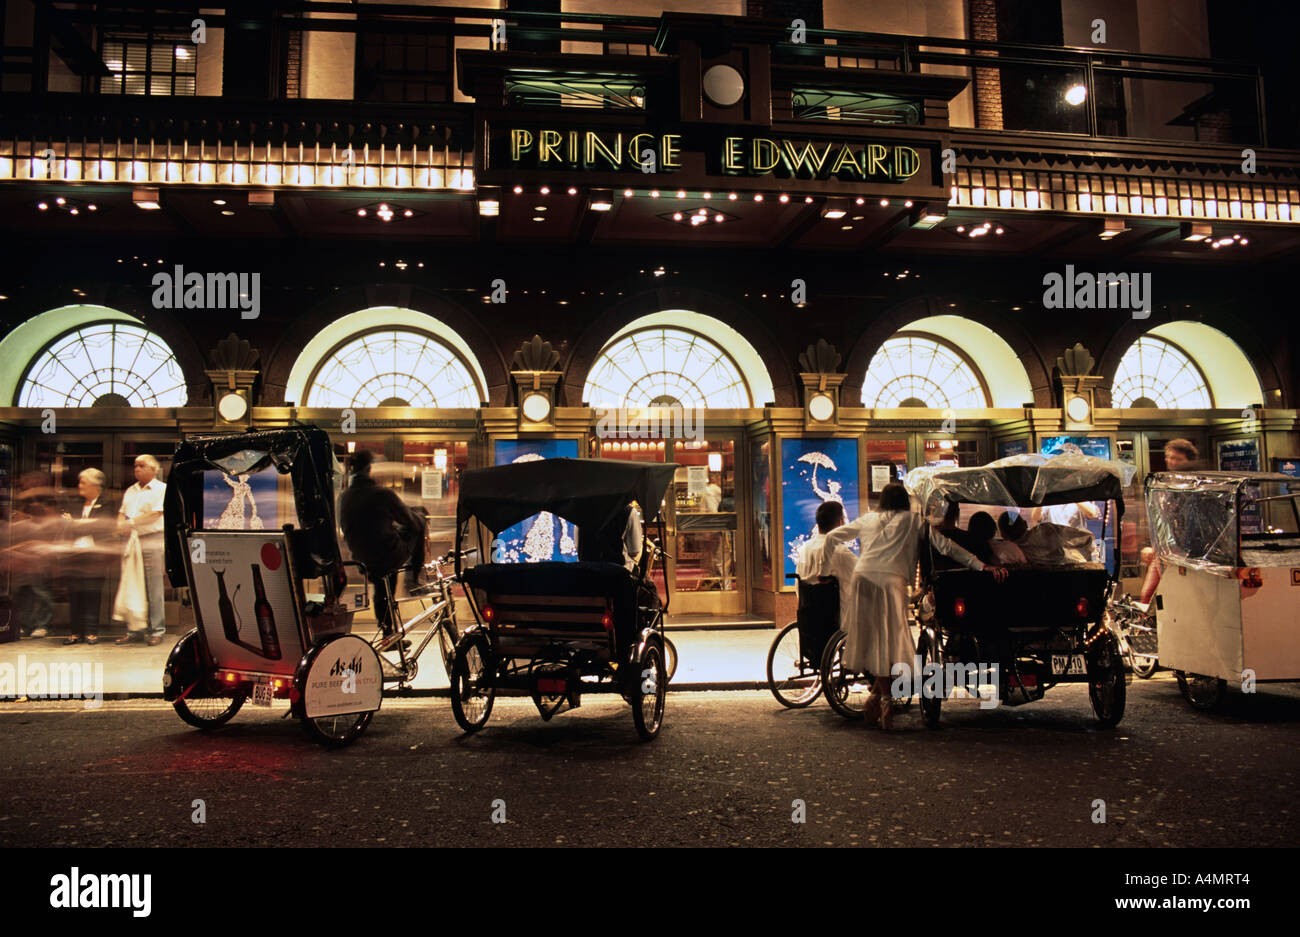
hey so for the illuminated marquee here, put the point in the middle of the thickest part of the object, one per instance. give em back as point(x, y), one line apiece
point(609, 151)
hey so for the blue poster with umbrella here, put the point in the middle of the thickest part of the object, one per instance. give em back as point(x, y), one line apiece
point(542, 537)
point(814, 471)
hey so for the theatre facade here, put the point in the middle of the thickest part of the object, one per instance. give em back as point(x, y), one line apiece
point(797, 269)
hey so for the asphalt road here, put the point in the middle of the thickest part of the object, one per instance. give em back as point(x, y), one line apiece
point(726, 770)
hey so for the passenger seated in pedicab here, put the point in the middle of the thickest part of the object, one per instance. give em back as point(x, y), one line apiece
point(1048, 544)
point(983, 530)
point(382, 533)
point(812, 570)
point(1012, 527)
point(950, 529)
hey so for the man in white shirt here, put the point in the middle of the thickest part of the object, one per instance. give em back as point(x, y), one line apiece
point(1068, 515)
point(811, 564)
point(142, 511)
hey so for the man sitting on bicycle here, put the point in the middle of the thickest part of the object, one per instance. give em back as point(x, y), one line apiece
point(382, 533)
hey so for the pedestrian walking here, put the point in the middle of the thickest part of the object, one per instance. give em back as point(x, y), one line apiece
point(89, 540)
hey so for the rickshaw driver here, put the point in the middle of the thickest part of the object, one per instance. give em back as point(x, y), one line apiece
point(382, 533)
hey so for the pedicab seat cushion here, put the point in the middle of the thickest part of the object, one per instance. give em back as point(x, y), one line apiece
point(554, 583)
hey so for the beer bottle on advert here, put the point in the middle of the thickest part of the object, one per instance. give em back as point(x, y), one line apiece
point(265, 618)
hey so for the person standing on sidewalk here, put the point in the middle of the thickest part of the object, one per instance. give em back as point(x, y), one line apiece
point(88, 536)
point(879, 633)
point(142, 514)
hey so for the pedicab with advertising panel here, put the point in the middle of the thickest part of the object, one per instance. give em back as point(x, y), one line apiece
point(1046, 623)
point(1228, 603)
point(555, 630)
point(250, 524)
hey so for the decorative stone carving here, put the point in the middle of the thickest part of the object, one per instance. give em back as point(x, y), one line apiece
point(535, 355)
point(821, 358)
point(1076, 362)
point(233, 354)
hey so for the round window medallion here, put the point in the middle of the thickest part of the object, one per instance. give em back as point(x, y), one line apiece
point(1078, 409)
point(232, 407)
point(821, 408)
point(723, 85)
point(536, 407)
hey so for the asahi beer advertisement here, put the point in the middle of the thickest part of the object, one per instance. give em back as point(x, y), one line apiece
point(344, 678)
point(244, 601)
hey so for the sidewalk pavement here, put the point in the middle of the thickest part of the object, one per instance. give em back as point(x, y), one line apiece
point(723, 659)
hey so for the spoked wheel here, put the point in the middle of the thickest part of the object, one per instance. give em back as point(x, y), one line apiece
point(208, 712)
point(928, 649)
point(1202, 692)
point(648, 695)
point(472, 690)
point(1145, 667)
point(1106, 687)
point(336, 731)
point(846, 691)
point(792, 681)
point(670, 657)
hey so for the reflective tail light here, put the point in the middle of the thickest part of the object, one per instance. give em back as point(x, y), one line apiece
point(607, 620)
point(959, 608)
point(489, 613)
point(1081, 608)
point(1250, 578)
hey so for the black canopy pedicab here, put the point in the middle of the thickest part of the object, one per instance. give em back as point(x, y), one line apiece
point(1046, 624)
point(249, 522)
point(555, 630)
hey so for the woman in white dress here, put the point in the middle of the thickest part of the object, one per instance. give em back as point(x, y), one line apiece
point(879, 634)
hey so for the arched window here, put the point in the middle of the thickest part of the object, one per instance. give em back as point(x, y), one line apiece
point(663, 366)
point(1157, 373)
point(912, 370)
point(392, 368)
point(104, 364)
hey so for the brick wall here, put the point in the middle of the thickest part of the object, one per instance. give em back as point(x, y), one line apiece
point(988, 81)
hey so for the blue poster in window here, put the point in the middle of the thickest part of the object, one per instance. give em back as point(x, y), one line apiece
point(1098, 446)
point(544, 536)
point(813, 471)
point(1010, 447)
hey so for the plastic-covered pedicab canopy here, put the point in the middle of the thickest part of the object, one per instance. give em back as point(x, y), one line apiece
point(1024, 481)
point(586, 492)
point(303, 452)
point(1197, 518)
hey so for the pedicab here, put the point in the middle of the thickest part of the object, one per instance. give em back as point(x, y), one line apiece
point(554, 630)
point(1046, 624)
point(249, 524)
point(1228, 603)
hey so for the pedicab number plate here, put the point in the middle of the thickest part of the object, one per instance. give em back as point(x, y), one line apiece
point(1068, 663)
point(261, 694)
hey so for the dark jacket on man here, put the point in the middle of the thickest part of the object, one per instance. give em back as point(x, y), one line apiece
point(378, 526)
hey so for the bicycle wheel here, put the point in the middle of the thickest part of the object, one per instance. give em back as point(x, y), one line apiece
point(793, 683)
point(208, 712)
point(472, 690)
point(647, 698)
point(1202, 692)
point(1145, 667)
point(845, 690)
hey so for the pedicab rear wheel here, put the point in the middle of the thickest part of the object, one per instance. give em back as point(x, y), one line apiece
point(846, 692)
point(649, 692)
point(336, 731)
point(1145, 667)
point(793, 683)
point(472, 692)
point(209, 712)
point(670, 658)
point(1106, 687)
point(1202, 692)
point(928, 649)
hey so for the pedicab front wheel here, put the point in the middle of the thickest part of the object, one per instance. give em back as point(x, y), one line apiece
point(648, 695)
point(209, 712)
point(1202, 692)
point(337, 688)
point(472, 692)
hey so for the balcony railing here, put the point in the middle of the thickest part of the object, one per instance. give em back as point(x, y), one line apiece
point(1061, 90)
